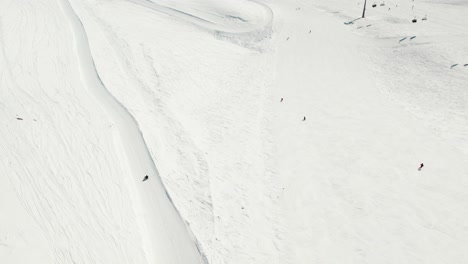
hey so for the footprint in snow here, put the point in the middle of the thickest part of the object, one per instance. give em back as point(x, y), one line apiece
point(451, 67)
point(465, 65)
point(369, 25)
point(402, 39)
point(413, 37)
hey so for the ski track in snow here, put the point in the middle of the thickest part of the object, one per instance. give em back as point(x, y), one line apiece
point(207, 23)
point(165, 223)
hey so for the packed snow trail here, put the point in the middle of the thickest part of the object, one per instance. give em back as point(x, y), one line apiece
point(166, 238)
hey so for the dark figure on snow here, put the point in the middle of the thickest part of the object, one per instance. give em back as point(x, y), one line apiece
point(145, 178)
point(421, 166)
point(304, 119)
point(281, 100)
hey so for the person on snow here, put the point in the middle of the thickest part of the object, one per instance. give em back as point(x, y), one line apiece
point(281, 100)
point(304, 119)
point(145, 178)
point(421, 166)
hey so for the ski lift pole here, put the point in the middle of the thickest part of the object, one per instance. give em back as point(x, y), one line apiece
point(364, 9)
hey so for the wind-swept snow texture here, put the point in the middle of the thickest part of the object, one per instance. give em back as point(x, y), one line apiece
point(208, 98)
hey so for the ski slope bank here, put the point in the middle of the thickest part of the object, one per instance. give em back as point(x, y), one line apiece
point(165, 236)
point(66, 183)
point(197, 101)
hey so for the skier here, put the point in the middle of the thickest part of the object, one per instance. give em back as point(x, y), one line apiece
point(281, 100)
point(145, 178)
point(421, 166)
point(304, 119)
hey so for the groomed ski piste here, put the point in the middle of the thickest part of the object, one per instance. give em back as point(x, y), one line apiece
point(271, 131)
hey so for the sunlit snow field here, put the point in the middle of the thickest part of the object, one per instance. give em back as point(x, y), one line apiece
point(271, 131)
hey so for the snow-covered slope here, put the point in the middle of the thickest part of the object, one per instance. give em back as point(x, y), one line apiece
point(208, 99)
point(353, 193)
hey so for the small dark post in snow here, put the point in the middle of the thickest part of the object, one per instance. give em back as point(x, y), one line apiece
point(364, 10)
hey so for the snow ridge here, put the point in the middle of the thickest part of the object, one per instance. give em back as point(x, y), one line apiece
point(166, 229)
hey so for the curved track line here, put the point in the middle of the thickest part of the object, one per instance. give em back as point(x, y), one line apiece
point(205, 23)
point(165, 237)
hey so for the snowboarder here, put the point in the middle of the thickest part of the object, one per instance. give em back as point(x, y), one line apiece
point(421, 166)
point(281, 99)
point(304, 119)
point(145, 178)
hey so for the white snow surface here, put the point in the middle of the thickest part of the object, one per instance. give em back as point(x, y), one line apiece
point(208, 97)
